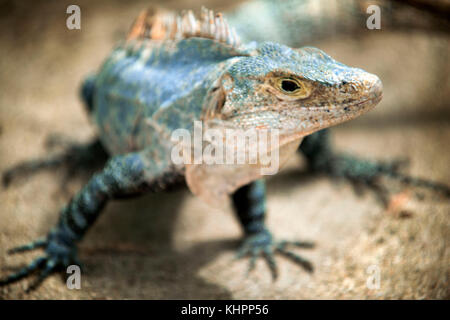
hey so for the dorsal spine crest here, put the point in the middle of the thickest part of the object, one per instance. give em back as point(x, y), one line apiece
point(167, 26)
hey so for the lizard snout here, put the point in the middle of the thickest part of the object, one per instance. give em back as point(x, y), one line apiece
point(374, 88)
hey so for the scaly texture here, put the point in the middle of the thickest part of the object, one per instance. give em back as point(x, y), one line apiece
point(147, 88)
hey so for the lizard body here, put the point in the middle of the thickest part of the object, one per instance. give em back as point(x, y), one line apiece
point(169, 74)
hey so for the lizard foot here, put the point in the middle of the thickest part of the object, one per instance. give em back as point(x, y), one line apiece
point(58, 257)
point(263, 244)
point(366, 173)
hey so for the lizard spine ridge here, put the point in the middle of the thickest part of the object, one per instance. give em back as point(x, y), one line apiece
point(168, 26)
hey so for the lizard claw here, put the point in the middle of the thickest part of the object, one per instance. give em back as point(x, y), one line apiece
point(58, 256)
point(263, 244)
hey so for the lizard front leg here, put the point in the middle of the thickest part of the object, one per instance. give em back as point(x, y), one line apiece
point(250, 205)
point(122, 176)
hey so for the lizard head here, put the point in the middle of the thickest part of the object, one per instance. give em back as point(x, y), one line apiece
point(297, 91)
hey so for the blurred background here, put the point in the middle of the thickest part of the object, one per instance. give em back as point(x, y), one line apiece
point(172, 246)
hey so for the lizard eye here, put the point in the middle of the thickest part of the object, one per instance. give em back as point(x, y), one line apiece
point(292, 87)
point(289, 85)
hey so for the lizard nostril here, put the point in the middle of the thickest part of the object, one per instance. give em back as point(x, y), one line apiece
point(376, 88)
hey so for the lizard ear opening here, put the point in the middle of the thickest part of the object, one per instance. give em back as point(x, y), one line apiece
point(215, 102)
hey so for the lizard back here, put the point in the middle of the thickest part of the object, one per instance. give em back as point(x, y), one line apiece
point(151, 85)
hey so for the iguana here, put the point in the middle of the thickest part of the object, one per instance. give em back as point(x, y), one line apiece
point(170, 73)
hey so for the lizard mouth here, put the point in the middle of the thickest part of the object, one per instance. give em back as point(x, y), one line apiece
point(370, 103)
point(374, 99)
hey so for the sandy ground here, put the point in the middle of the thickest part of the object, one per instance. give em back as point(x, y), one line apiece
point(172, 246)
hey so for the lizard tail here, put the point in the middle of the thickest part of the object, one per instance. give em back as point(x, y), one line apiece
point(87, 92)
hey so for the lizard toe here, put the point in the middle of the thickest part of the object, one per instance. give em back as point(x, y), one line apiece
point(263, 245)
point(56, 258)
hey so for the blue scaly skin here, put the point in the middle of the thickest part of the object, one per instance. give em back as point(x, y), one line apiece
point(172, 72)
